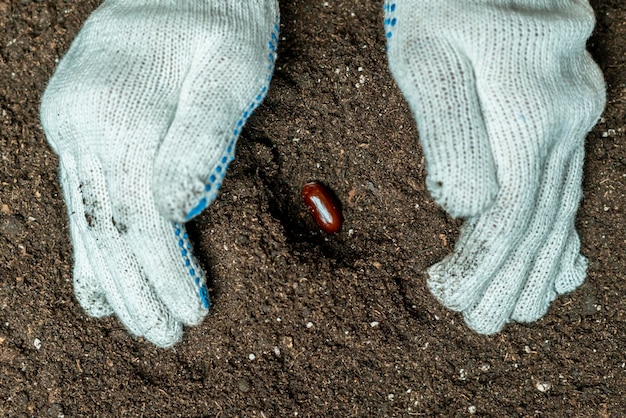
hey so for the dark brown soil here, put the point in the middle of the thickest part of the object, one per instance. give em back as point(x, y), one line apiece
point(338, 326)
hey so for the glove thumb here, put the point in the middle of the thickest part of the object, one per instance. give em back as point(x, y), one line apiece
point(438, 83)
point(200, 143)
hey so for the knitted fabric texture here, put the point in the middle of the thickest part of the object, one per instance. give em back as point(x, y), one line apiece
point(144, 112)
point(503, 93)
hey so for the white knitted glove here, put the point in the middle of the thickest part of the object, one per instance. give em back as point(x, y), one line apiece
point(144, 111)
point(503, 92)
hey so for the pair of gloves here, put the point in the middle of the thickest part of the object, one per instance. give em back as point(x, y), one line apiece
point(145, 109)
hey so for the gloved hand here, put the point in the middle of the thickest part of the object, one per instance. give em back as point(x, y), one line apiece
point(503, 93)
point(143, 112)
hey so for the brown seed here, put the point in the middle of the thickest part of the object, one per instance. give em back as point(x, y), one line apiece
point(324, 207)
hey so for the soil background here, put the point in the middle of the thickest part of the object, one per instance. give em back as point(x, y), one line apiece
point(338, 325)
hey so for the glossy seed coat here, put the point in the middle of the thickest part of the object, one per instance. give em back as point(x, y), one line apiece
point(324, 207)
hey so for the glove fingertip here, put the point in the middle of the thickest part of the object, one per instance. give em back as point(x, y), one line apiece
point(571, 276)
point(165, 334)
point(176, 275)
point(95, 304)
point(485, 325)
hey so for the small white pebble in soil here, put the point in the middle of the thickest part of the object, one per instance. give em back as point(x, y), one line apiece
point(391, 396)
point(37, 343)
point(543, 386)
point(471, 409)
point(374, 324)
point(251, 356)
point(277, 351)
point(309, 324)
